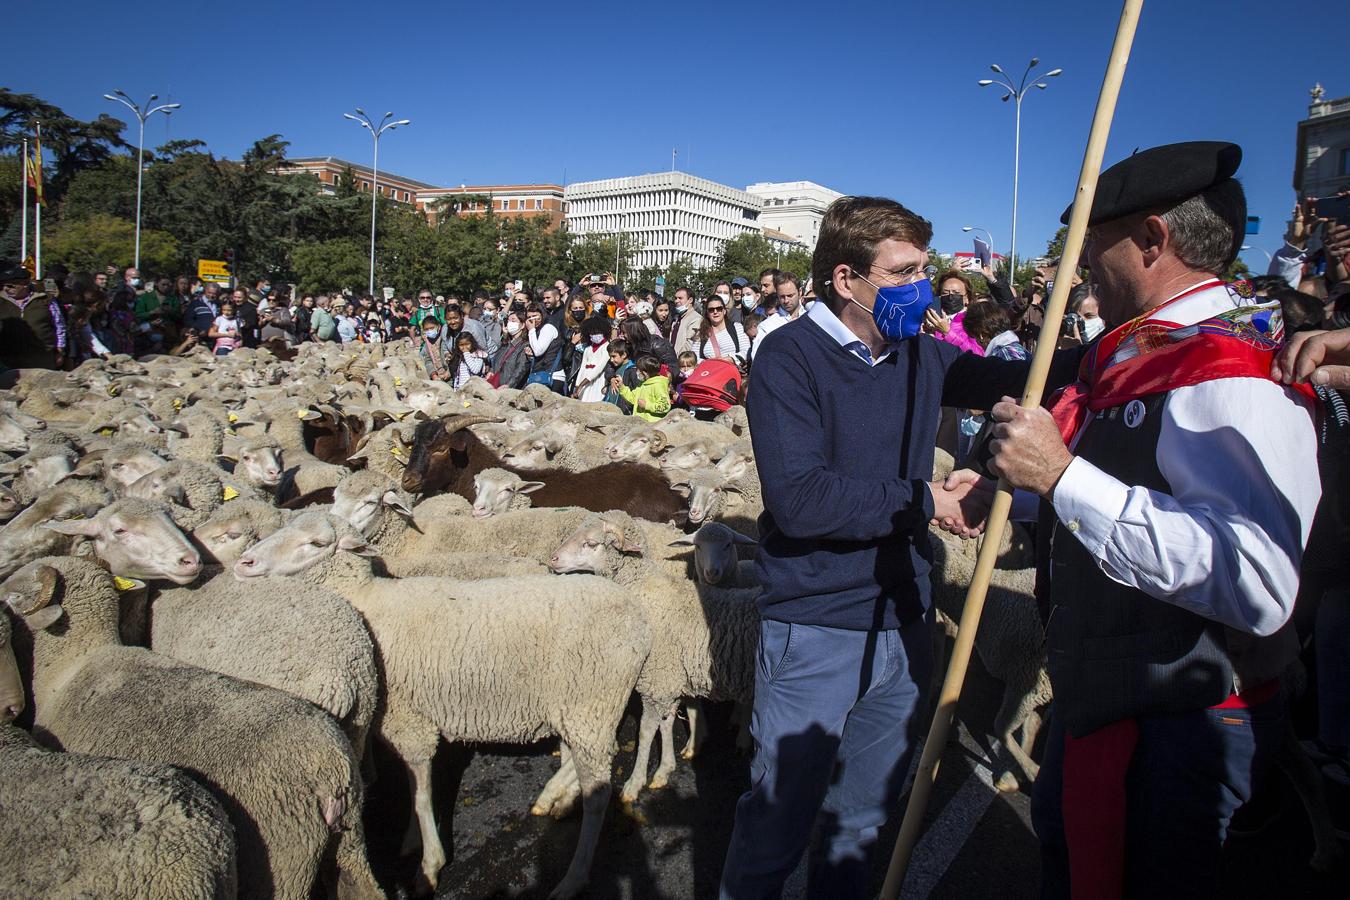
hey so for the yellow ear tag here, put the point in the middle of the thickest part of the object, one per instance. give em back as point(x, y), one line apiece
point(299, 413)
point(177, 404)
point(112, 390)
point(233, 418)
point(229, 493)
point(124, 584)
point(395, 451)
point(106, 432)
point(467, 404)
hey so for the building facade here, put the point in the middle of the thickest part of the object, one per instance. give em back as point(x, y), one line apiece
point(1322, 164)
point(329, 170)
point(509, 200)
point(673, 214)
point(794, 207)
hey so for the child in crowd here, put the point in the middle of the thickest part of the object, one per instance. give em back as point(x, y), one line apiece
point(470, 358)
point(688, 361)
point(224, 331)
point(624, 370)
point(651, 400)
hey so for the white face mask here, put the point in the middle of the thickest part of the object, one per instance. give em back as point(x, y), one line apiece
point(726, 298)
point(1093, 327)
point(513, 327)
point(748, 301)
point(680, 310)
point(598, 306)
point(597, 339)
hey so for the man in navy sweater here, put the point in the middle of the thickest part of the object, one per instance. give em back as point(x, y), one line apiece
point(844, 406)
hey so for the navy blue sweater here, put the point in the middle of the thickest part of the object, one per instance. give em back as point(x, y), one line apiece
point(845, 451)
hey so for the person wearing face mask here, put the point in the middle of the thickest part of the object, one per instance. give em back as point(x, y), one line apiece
point(1087, 308)
point(843, 410)
point(955, 292)
point(436, 350)
point(594, 373)
point(513, 360)
point(32, 326)
point(687, 318)
point(724, 290)
point(750, 301)
point(491, 320)
point(426, 308)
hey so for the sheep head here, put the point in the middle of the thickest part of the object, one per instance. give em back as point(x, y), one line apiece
point(10, 504)
point(709, 492)
point(257, 460)
point(39, 470)
point(137, 539)
point(537, 449)
point(310, 539)
point(235, 527)
point(599, 546)
point(637, 445)
point(125, 465)
point(29, 592)
point(715, 556)
point(363, 499)
point(497, 491)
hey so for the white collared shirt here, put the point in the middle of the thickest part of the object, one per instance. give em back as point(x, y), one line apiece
point(1240, 455)
point(822, 315)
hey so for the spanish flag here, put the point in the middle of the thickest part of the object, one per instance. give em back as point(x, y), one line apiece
point(34, 169)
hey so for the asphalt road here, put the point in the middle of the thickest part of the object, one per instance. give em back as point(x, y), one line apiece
point(978, 842)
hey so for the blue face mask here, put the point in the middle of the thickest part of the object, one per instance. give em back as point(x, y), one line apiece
point(898, 311)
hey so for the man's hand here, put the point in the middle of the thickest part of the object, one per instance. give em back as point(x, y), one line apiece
point(1336, 238)
point(1027, 447)
point(1316, 357)
point(961, 504)
point(1296, 235)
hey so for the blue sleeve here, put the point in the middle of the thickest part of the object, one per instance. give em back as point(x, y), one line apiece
point(806, 499)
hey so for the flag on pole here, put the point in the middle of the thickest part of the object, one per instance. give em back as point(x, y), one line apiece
point(34, 165)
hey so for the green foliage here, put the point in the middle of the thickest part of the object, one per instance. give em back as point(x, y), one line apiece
point(1237, 271)
point(595, 254)
point(90, 244)
point(331, 266)
point(108, 188)
point(1054, 248)
point(749, 254)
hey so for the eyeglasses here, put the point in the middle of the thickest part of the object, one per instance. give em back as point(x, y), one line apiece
point(907, 275)
point(713, 309)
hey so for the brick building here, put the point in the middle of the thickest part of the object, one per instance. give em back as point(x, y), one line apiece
point(510, 200)
point(329, 170)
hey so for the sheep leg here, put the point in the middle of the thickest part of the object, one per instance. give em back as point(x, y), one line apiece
point(557, 796)
point(698, 730)
point(1018, 703)
point(647, 726)
point(433, 854)
point(1307, 781)
point(661, 777)
point(595, 799)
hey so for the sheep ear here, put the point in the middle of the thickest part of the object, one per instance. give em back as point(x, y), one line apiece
point(355, 544)
point(738, 538)
point(681, 488)
point(362, 453)
point(73, 527)
point(90, 466)
point(529, 487)
point(733, 468)
point(602, 429)
point(392, 500)
point(682, 542)
point(9, 468)
point(45, 618)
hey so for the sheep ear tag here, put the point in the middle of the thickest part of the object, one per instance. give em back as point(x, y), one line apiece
point(123, 585)
point(228, 493)
point(232, 417)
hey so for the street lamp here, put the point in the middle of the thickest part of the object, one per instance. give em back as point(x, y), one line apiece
point(1269, 259)
point(987, 233)
point(375, 131)
point(142, 113)
point(1016, 94)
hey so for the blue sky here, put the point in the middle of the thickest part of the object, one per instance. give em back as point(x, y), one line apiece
point(876, 97)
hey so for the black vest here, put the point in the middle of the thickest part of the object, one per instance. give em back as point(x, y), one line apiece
point(28, 335)
point(1113, 652)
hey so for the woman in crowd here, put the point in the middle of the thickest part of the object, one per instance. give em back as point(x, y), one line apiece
point(718, 340)
point(665, 323)
point(989, 325)
point(280, 326)
point(574, 315)
point(300, 320)
point(545, 346)
point(955, 293)
point(490, 317)
point(435, 354)
point(593, 376)
point(643, 343)
point(513, 360)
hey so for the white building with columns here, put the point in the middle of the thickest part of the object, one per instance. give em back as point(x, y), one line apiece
point(673, 214)
point(794, 207)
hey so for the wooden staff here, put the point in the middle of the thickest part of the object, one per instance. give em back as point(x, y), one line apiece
point(1031, 396)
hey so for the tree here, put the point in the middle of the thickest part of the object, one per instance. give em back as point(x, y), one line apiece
point(106, 189)
point(89, 244)
point(69, 145)
point(1237, 271)
point(595, 254)
point(1054, 248)
point(330, 266)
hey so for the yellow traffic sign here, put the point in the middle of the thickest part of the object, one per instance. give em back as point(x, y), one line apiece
point(215, 270)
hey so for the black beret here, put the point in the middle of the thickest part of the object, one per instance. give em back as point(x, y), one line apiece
point(11, 271)
point(1161, 176)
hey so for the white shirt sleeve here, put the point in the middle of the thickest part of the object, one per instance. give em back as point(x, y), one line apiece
point(539, 340)
point(1240, 455)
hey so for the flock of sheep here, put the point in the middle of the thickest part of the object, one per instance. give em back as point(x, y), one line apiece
point(225, 576)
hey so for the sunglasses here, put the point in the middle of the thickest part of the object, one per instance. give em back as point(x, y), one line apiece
point(713, 309)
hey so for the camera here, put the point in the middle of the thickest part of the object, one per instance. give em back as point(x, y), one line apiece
point(1073, 326)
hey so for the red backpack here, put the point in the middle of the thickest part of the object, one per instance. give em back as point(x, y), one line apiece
point(714, 383)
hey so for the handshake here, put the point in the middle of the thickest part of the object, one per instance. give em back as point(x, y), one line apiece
point(961, 503)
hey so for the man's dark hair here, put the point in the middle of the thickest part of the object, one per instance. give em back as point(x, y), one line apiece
point(985, 320)
point(1263, 284)
point(478, 296)
point(853, 228)
point(773, 272)
point(649, 366)
point(1077, 294)
point(619, 345)
point(783, 278)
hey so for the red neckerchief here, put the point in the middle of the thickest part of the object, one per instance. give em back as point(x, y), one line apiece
point(1143, 357)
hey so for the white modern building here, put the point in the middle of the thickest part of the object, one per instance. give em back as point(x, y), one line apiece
point(794, 207)
point(673, 214)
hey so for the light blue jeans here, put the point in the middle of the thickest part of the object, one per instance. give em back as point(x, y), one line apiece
point(835, 721)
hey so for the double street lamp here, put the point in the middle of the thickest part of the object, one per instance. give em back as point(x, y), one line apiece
point(375, 131)
point(142, 113)
point(1016, 93)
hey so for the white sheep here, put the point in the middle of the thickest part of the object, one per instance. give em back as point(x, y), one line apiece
point(39, 470)
point(89, 826)
point(314, 645)
point(124, 463)
point(235, 527)
point(1010, 643)
point(703, 637)
point(728, 491)
point(715, 558)
point(25, 537)
point(194, 491)
point(506, 660)
point(258, 461)
point(284, 771)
